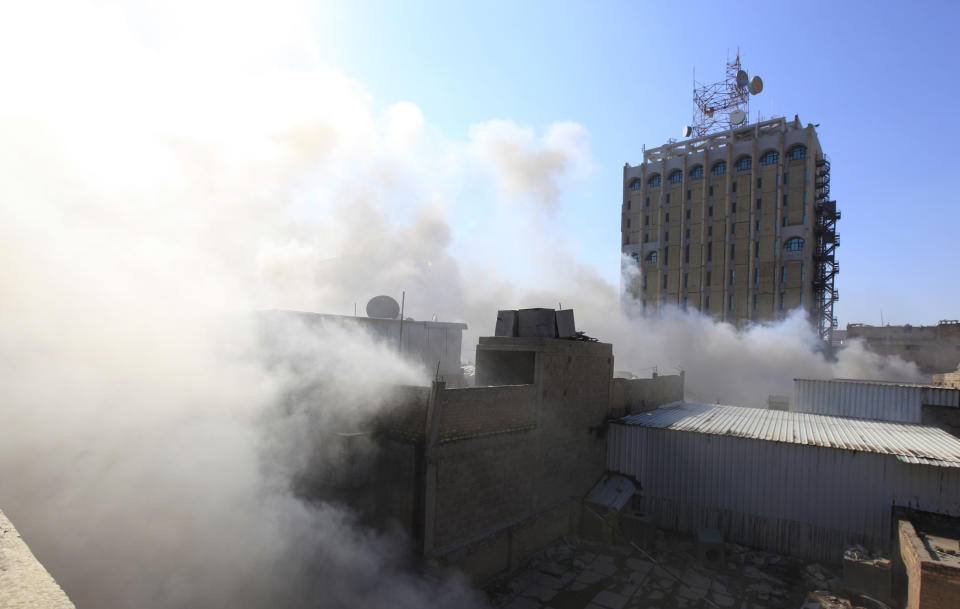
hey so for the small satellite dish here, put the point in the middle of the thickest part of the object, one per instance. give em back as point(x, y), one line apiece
point(687, 130)
point(709, 112)
point(742, 79)
point(756, 85)
point(737, 117)
point(383, 307)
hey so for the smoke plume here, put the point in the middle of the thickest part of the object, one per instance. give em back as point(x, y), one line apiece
point(157, 185)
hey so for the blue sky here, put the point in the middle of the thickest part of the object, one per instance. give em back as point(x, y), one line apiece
point(879, 78)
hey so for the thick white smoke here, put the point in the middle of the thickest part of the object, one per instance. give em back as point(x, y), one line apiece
point(156, 183)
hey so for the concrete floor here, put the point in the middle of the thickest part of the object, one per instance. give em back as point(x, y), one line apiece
point(579, 574)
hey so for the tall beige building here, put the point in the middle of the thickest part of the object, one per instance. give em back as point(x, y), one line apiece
point(737, 224)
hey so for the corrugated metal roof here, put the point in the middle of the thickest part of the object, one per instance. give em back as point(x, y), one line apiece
point(871, 382)
point(916, 444)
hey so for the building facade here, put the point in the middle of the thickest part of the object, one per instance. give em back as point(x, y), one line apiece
point(736, 224)
point(934, 349)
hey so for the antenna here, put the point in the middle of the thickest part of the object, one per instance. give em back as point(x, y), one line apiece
point(687, 130)
point(724, 104)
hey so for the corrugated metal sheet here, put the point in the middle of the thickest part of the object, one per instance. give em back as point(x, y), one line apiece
point(799, 484)
point(613, 492)
point(906, 442)
point(869, 399)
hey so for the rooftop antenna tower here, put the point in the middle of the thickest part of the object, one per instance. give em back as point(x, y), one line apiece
point(725, 104)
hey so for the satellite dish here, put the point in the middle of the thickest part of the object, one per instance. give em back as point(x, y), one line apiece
point(383, 307)
point(742, 79)
point(709, 112)
point(687, 130)
point(756, 85)
point(737, 117)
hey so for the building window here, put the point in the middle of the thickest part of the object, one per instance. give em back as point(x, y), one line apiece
point(911, 347)
point(687, 235)
point(781, 300)
point(646, 220)
point(734, 186)
point(706, 302)
point(708, 279)
point(756, 276)
point(696, 172)
point(688, 214)
point(730, 303)
point(628, 222)
point(686, 279)
point(644, 281)
point(797, 152)
point(666, 217)
point(786, 177)
point(744, 163)
point(770, 158)
point(709, 251)
point(732, 251)
point(733, 228)
point(646, 237)
point(654, 180)
point(754, 302)
point(756, 249)
point(676, 177)
point(756, 226)
point(668, 197)
point(635, 185)
point(686, 254)
point(628, 204)
point(719, 168)
point(666, 236)
point(710, 211)
point(626, 239)
point(793, 244)
point(784, 200)
point(664, 281)
point(783, 221)
point(688, 194)
point(647, 202)
point(802, 273)
point(651, 258)
point(733, 207)
point(758, 203)
point(666, 256)
point(710, 190)
point(710, 231)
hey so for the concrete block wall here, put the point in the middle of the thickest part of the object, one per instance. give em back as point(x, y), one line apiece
point(630, 396)
point(476, 411)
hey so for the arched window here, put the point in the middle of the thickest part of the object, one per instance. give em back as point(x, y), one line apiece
point(797, 152)
point(654, 180)
point(770, 157)
point(744, 163)
point(719, 168)
point(696, 172)
point(636, 184)
point(676, 176)
point(793, 244)
point(651, 258)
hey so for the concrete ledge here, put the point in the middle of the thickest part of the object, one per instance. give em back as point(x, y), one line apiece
point(24, 582)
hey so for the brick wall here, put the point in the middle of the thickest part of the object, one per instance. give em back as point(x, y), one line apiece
point(931, 584)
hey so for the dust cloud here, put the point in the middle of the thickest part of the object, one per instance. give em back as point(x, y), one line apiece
point(157, 185)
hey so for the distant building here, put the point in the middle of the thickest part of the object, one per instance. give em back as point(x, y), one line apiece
point(932, 348)
point(737, 224)
point(434, 345)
